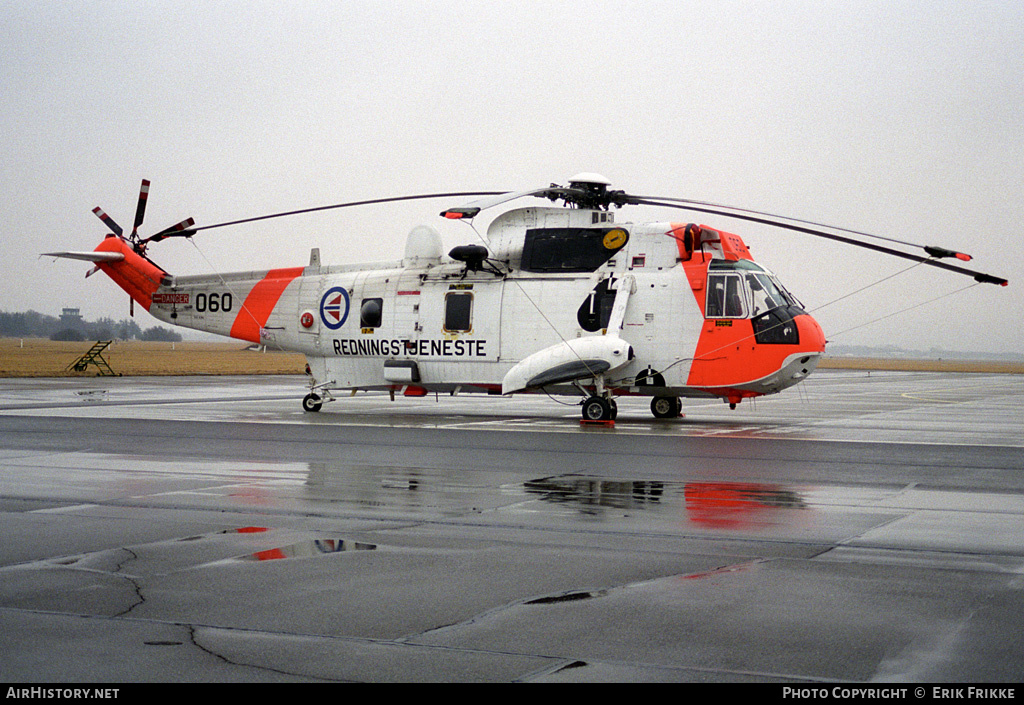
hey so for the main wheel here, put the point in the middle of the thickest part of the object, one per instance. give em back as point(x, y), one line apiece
point(597, 409)
point(666, 407)
point(312, 402)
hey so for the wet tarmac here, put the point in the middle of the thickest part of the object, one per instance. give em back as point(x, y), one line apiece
point(860, 527)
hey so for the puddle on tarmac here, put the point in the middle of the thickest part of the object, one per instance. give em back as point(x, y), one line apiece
point(721, 505)
point(301, 549)
point(308, 549)
point(573, 596)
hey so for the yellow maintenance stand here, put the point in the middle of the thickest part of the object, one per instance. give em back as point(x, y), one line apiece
point(94, 357)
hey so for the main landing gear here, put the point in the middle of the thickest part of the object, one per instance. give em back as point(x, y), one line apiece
point(597, 408)
point(600, 406)
point(600, 409)
point(666, 407)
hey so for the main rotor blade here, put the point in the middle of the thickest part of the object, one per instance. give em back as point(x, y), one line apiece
point(470, 210)
point(978, 276)
point(140, 211)
point(939, 251)
point(394, 199)
point(108, 221)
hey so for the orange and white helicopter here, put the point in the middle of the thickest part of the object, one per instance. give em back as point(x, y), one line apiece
point(560, 299)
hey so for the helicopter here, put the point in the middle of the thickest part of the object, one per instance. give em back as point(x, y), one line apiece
point(557, 299)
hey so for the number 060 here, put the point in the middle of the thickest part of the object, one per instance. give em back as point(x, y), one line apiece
point(213, 302)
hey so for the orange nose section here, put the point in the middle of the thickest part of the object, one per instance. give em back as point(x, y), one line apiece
point(812, 338)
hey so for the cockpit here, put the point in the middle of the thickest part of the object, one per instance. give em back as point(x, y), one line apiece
point(745, 289)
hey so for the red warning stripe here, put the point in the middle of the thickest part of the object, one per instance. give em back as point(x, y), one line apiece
point(260, 303)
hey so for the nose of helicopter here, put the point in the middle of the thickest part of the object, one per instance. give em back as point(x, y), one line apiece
point(797, 365)
point(812, 338)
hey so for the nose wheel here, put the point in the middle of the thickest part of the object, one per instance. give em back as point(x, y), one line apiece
point(318, 394)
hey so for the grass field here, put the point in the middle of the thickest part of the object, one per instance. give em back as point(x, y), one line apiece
point(900, 365)
point(36, 357)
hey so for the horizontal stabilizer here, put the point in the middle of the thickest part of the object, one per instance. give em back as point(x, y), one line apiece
point(88, 256)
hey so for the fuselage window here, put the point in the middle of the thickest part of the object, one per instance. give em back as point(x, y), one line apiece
point(458, 311)
point(569, 250)
point(371, 313)
point(725, 297)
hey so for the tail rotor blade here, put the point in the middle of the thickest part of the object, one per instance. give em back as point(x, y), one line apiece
point(108, 221)
point(183, 225)
point(179, 230)
point(140, 211)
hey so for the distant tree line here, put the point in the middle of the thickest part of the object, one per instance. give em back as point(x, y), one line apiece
point(32, 324)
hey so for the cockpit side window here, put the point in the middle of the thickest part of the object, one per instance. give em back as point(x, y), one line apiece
point(725, 297)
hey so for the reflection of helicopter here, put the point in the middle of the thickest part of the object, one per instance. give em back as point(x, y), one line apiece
point(718, 505)
point(562, 300)
point(736, 505)
point(595, 492)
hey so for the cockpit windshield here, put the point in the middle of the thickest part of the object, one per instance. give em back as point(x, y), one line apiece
point(744, 289)
point(764, 294)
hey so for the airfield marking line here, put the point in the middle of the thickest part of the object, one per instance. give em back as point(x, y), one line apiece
point(986, 387)
point(59, 510)
point(915, 397)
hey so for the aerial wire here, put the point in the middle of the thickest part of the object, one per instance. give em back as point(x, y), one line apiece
point(909, 308)
point(226, 285)
point(865, 288)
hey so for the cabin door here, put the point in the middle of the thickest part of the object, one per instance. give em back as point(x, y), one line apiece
point(460, 321)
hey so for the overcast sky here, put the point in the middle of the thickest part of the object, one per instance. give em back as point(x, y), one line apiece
point(904, 119)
